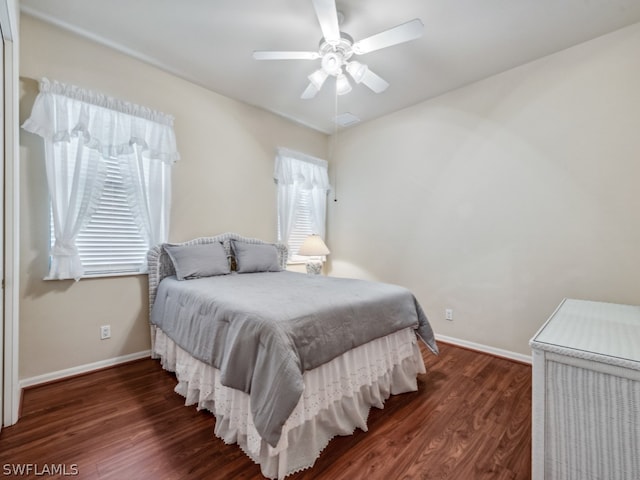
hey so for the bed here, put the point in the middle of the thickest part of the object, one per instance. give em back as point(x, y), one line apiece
point(285, 361)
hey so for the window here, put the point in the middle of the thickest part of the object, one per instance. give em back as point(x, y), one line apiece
point(302, 187)
point(111, 242)
point(108, 165)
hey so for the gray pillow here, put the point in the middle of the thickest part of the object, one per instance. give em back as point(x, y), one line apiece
point(251, 258)
point(196, 261)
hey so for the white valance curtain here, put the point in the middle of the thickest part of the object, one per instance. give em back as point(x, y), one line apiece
point(80, 129)
point(295, 172)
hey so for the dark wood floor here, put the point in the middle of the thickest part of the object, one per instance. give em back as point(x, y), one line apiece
point(470, 419)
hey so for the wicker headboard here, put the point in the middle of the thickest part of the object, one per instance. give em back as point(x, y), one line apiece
point(160, 265)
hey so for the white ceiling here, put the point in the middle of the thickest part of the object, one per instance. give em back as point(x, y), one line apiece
point(210, 42)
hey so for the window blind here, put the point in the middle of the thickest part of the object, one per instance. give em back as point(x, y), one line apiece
point(302, 227)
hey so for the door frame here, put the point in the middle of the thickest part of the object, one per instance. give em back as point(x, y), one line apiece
point(10, 397)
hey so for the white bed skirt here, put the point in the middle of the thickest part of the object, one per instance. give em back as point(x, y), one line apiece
point(337, 398)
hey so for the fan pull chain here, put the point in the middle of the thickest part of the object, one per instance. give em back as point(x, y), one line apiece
point(333, 144)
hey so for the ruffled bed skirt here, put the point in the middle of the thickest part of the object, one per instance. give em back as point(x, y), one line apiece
point(337, 398)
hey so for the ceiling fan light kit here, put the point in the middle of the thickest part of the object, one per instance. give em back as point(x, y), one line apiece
point(336, 48)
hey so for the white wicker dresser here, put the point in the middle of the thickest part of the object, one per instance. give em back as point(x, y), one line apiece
point(586, 393)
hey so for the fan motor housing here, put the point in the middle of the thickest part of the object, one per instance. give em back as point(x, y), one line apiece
point(335, 55)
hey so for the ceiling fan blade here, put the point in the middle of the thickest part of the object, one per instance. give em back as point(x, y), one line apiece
point(275, 55)
point(374, 82)
point(398, 34)
point(328, 17)
point(309, 92)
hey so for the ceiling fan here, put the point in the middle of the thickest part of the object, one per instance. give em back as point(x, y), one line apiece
point(337, 48)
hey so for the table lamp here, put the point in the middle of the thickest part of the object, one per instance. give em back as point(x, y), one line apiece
point(313, 247)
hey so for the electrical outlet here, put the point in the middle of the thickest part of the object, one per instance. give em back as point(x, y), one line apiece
point(448, 314)
point(105, 332)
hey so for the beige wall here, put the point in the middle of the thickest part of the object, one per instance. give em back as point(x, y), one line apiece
point(496, 200)
point(499, 199)
point(223, 183)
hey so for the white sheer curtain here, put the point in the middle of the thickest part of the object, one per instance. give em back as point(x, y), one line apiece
point(318, 197)
point(287, 199)
point(150, 195)
point(80, 128)
point(75, 186)
point(296, 172)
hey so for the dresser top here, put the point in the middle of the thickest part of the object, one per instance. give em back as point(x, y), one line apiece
point(606, 332)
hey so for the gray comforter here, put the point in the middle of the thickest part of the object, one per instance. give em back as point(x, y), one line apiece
point(263, 330)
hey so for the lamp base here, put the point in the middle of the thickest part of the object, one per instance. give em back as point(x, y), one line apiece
point(314, 268)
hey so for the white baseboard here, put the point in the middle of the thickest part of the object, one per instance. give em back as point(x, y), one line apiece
point(89, 367)
point(498, 352)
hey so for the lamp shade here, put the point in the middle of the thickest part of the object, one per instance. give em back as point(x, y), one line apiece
point(357, 71)
point(317, 78)
point(313, 246)
point(342, 84)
